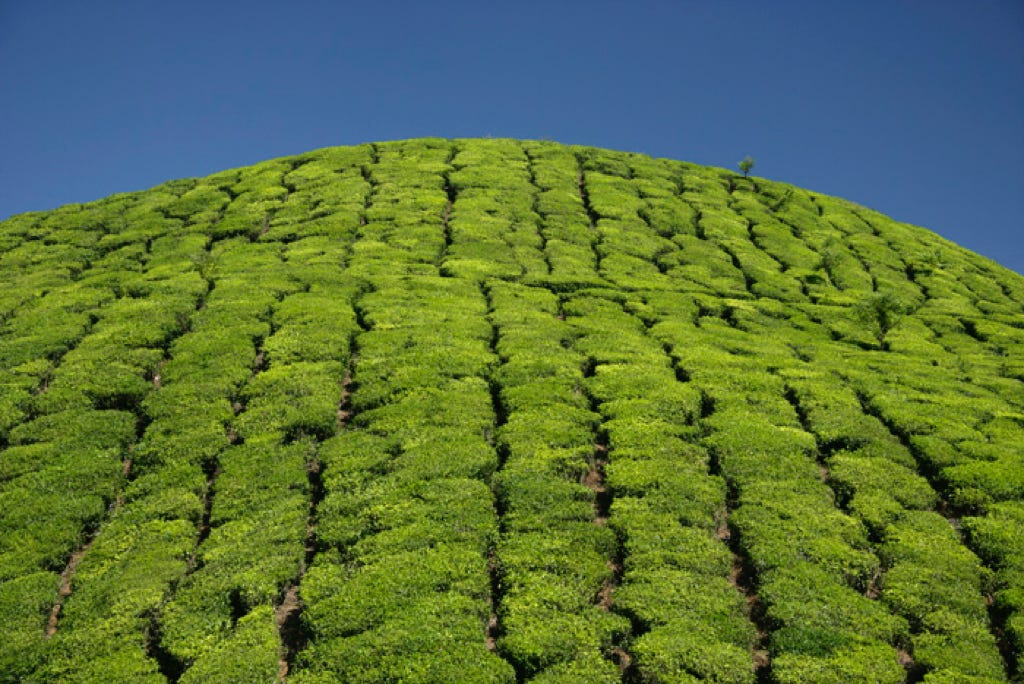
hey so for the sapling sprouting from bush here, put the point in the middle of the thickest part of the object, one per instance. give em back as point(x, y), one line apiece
point(746, 164)
point(882, 310)
point(830, 258)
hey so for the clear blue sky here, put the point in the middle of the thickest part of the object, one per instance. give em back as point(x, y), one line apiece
point(912, 107)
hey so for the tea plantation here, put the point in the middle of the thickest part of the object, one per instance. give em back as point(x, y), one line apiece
point(504, 411)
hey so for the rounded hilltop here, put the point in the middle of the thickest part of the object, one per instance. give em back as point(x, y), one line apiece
point(490, 410)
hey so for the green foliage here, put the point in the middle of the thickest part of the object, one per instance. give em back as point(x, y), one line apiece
point(683, 653)
point(434, 639)
point(504, 410)
point(871, 662)
point(881, 311)
point(250, 654)
point(25, 605)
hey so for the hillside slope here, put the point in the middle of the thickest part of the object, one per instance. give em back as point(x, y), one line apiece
point(497, 411)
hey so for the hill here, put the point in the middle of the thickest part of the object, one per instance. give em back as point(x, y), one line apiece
point(497, 411)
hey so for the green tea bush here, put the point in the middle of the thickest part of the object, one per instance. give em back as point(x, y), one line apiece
point(294, 399)
point(435, 639)
point(25, 604)
point(199, 201)
point(249, 654)
point(869, 662)
point(683, 652)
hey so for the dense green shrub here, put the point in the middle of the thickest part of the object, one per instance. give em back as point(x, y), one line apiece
point(25, 604)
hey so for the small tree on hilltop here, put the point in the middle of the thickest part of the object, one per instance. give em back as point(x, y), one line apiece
point(746, 165)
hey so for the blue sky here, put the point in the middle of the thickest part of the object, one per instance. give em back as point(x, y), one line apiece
point(912, 107)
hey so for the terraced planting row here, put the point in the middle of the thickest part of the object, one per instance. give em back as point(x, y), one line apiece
point(499, 411)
